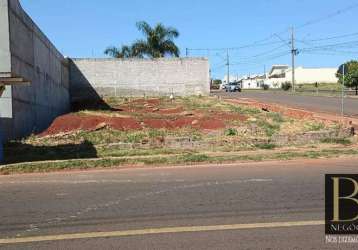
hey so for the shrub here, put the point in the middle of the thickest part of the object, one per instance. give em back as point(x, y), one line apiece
point(286, 86)
point(265, 86)
point(231, 132)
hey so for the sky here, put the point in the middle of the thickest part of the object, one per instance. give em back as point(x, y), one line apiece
point(84, 28)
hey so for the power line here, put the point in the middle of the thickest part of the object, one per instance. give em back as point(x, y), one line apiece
point(269, 58)
point(330, 53)
point(260, 42)
point(349, 44)
point(329, 38)
point(267, 55)
point(233, 48)
point(218, 67)
point(329, 16)
point(268, 52)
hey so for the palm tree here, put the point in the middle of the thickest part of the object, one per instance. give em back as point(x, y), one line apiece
point(158, 41)
point(123, 52)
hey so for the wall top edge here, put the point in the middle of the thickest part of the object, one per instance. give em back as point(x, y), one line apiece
point(142, 59)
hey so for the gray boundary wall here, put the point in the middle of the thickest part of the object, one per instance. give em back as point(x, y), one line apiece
point(25, 52)
point(138, 77)
point(5, 58)
point(34, 58)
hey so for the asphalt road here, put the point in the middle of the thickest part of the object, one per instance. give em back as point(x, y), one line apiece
point(313, 103)
point(171, 208)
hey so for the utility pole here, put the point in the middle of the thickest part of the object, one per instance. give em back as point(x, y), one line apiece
point(228, 66)
point(293, 52)
point(265, 71)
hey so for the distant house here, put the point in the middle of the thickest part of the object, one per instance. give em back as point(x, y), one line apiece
point(282, 73)
point(231, 79)
point(253, 82)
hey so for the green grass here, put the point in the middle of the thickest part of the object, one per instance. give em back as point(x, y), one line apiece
point(276, 117)
point(266, 146)
point(342, 141)
point(321, 86)
point(195, 103)
point(172, 160)
point(114, 152)
point(244, 110)
point(314, 126)
point(269, 128)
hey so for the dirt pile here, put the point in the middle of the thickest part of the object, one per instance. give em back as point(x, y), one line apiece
point(143, 114)
point(74, 122)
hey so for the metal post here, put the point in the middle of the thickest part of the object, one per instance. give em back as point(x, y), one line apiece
point(342, 97)
point(228, 66)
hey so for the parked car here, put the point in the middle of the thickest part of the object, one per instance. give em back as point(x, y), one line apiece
point(233, 87)
point(223, 86)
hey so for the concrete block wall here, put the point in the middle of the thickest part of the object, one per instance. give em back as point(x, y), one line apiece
point(34, 58)
point(5, 57)
point(138, 77)
point(27, 53)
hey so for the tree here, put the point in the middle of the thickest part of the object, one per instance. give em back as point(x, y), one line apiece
point(217, 82)
point(123, 52)
point(158, 42)
point(351, 75)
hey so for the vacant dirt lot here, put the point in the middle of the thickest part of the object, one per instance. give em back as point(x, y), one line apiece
point(193, 129)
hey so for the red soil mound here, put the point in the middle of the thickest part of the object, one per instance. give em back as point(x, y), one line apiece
point(153, 101)
point(169, 111)
point(157, 123)
point(211, 124)
point(72, 122)
point(205, 123)
point(183, 122)
point(172, 118)
point(230, 116)
point(120, 123)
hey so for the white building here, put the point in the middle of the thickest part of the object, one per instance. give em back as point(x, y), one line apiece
point(231, 79)
point(282, 73)
point(253, 82)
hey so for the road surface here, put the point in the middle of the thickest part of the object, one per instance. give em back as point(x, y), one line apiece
point(272, 205)
point(313, 103)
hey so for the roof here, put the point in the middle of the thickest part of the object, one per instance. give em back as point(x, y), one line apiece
point(278, 69)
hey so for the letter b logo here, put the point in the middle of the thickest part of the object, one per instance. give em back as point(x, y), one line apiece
point(341, 204)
